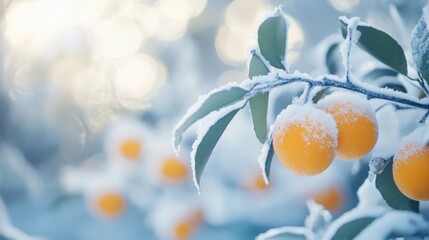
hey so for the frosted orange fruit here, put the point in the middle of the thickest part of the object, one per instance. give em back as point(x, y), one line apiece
point(356, 123)
point(411, 165)
point(305, 139)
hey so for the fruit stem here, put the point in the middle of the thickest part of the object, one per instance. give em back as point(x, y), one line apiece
point(305, 96)
point(422, 84)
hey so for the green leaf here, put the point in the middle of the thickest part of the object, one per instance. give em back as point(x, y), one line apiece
point(390, 192)
point(214, 101)
point(333, 59)
point(268, 160)
point(351, 229)
point(319, 95)
point(272, 37)
point(259, 103)
point(378, 73)
point(257, 66)
point(266, 156)
point(208, 142)
point(381, 46)
point(420, 48)
point(259, 109)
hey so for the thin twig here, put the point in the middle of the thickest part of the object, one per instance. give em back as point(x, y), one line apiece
point(266, 83)
point(423, 119)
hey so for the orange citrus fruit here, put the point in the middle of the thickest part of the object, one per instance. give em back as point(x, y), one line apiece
point(356, 123)
point(305, 139)
point(411, 165)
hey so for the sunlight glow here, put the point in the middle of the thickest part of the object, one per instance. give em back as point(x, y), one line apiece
point(234, 39)
point(117, 38)
point(137, 78)
point(344, 6)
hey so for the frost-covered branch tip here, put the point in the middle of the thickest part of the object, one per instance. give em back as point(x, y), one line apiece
point(347, 45)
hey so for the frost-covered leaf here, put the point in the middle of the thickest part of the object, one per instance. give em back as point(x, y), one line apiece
point(272, 38)
point(259, 110)
point(351, 229)
point(390, 192)
point(396, 225)
point(319, 95)
point(259, 103)
point(318, 218)
point(420, 48)
point(394, 86)
point(333, 59)
point(378, 73)
point(266, 156)
point(213, 101)
point(283, 233)
point(380, 45)
point(257, 66)
point(205, 144)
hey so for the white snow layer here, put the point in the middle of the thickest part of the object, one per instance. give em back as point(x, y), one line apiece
point(282, 230)
point(318, 219)
point(411, 143)
point(262, 158)
point(348, 43)
point(354, 214)
point(377, 165)
point(371, 204)
point(396, 223)
point(307, 115)
point(349, 102)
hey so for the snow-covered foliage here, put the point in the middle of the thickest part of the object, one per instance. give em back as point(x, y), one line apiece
point(373, 210)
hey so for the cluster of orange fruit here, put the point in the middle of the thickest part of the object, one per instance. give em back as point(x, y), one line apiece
point(308, 137)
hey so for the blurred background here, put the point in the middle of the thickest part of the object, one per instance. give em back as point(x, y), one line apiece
point(91, 90)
